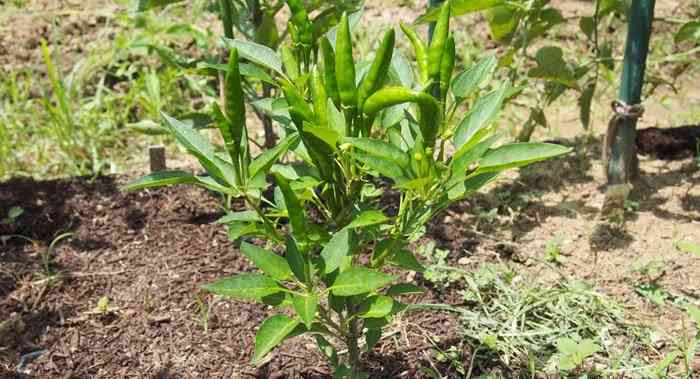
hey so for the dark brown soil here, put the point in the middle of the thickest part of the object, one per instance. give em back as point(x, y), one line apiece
point(148, 252)
point(669, 143)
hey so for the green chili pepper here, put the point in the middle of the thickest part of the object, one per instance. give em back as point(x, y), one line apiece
point(295, 6)
point(437, 44)
point(344, 65)
point(329, 71)
point(419, 50)
point(319, 98)
point(233, 130)
point(378, 71)
point(225, 9)
point(298, 107)
point(446, 67)
point(290, 63)
point(429, 109)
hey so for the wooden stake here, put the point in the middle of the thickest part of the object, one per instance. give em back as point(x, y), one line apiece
point(156, 156)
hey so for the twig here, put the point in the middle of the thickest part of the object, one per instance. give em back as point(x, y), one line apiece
point(78, 275)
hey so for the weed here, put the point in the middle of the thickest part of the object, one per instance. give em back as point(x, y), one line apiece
point(650, 287)
point(48, 253)
point(205, 308)
point(554, 250)
point(529, 326)
point(12, 215)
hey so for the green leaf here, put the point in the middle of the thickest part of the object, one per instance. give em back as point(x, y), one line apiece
point(694, 312)
point(376, 307)
point(470, 185)
point(552, 66)
point(359, 280)
point(502, 21)
point(328, 135)
point(662, 366)
point(244, 286)
point(380, 149)
point(688, 31)
point(160, 179)
point(404, 289)
point(198, 146)
point(239, 229)
point(306, 307)
point(297, 261)
point(242, 216)
point(688, 247)
point(587, 25)
point(519, 154)
point(458, 8)
point(465, 156)
point(144, 5)
point(406, 259)
point(482, 113)
point(368, 218)
point(272, 331)
point(267, 261)
point(336, 249)
point(336, 119)
point(469, 80)
point(256, 53)
point(327, 349)
point(297, 217)
point(383, 167)
point(372, 337)
point(574, 353)
point(264, 161)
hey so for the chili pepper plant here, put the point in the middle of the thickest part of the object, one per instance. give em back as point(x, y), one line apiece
point(353, 128)
point(254, 21)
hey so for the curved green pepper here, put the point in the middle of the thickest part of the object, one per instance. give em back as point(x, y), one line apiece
point(290, 63)
point(378, 71)
point(233, 130)
point(419, 50)
point(429, 108)
point(226, 19)
point(319, 98)
point(234, 107)
point(437, 44)
point(446, 67)
point(344, 65)
point(329, 71)
point(299, 109)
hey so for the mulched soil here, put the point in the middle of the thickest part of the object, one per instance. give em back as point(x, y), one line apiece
point(669, 143)
point(148, 252)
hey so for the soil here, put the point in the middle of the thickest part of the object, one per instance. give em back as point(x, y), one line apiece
point(674, 143)
point(148, 252)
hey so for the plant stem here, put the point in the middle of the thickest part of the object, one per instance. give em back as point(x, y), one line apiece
point(353, 348)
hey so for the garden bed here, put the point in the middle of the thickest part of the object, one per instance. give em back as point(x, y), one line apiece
point(148, 252)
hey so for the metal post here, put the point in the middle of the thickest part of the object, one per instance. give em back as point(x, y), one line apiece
point(620, 156)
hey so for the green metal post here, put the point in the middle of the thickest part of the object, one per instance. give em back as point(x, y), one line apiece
point(621, 157)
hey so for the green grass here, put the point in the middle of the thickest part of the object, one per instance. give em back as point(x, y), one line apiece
point(522, 328)
point(74, 121)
